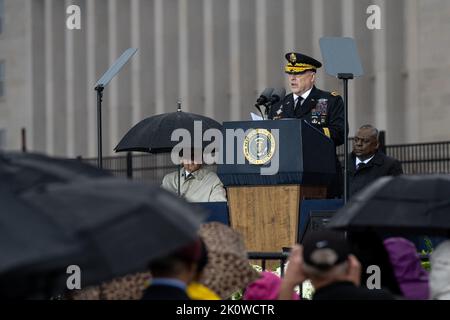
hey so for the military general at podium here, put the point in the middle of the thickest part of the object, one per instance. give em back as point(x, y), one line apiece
point(322, 109)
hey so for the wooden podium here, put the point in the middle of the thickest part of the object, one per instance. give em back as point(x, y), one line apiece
point(265, 208)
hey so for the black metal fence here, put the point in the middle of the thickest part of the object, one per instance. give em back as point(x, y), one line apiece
point(149, 167)
point(422, 158)
point(282, 258)
point(416, 158)
point(270, 256)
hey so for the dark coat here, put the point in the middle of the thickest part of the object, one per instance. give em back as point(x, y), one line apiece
point(348, 291)
point(380, 166)
point(164, 292)
point(324, 110)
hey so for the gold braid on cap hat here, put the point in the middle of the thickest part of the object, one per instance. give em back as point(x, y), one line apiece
point(298, 67)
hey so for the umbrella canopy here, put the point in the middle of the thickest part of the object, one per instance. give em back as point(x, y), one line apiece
point(107, 226)
point(120, 225)
point(153, 134)
point(28, 242)
point(28, 239)
point(21, 171)
point(411, 204)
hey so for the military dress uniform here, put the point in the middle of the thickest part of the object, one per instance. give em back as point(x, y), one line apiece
point(322, 109)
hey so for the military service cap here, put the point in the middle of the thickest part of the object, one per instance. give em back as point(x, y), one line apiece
point(298, 63)
point(325, 249)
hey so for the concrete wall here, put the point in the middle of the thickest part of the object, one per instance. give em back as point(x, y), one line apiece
point(429, 70)
point(15, 51)
point(215, 56)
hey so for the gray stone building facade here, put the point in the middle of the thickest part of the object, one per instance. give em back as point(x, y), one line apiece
point(215, 56)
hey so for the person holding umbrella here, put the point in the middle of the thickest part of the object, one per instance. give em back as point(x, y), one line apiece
point(154, 135)
point(197, 184)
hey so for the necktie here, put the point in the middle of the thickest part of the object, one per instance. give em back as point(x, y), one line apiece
point(185, 184)
point(298, 103)
point(360, 166)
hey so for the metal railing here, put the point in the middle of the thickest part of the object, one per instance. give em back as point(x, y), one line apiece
point(283, 257)
point(265, 256)
point(416, 158)
point(422, 158)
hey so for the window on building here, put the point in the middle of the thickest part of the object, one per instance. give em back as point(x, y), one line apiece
point(2, 14)
point(2, 78)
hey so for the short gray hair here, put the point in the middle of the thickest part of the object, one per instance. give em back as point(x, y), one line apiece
point(375, 132)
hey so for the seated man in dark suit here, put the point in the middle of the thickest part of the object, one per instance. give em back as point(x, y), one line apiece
point(367, 163)
point(172, 273)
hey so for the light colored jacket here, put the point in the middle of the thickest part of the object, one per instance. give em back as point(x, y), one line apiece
point(201, 186)
point(440, 272)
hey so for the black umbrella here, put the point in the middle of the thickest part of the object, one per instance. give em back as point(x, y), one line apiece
point(107, 226)
point(411, 204)
point(21, 171)
point(153, 134)
point(28, 242)
point(120, 224)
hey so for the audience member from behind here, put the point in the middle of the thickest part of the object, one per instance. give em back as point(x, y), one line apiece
point(228, 269)
point(128, 287)
point(411, 277)
point(267, 287)
point(369, 249)
point(196, 290)
point(335, 274)
point(440, 272)
point(173, 273)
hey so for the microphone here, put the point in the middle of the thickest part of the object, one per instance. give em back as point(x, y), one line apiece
point(263, 98)
point(277, 95)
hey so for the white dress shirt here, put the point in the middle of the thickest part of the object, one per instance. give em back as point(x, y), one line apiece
point(304, 96)
point(358, 161)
